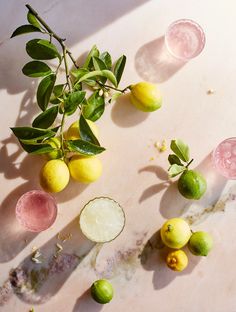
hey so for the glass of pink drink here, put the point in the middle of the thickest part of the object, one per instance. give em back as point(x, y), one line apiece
point(184, 39)
point(36, 210)
point(224, 158)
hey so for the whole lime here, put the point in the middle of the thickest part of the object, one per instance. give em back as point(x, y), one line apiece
point(192, 184)
point(175, 233)
point(177, 260)
point(54, 176)
point(200, 243)
point(102, 291)
point(85, 169)
point(145, 96)
point(55, 143)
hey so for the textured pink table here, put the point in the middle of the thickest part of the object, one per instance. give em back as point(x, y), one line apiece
point(134, 261)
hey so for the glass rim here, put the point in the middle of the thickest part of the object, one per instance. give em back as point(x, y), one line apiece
point(185, 20)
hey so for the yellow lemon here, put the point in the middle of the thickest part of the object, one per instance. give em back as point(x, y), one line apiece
point(177, 260)
point(54, 176)
point(73, 131)
point(175, 233)
point(85, 169)
point(55, 143)
point(145, 96)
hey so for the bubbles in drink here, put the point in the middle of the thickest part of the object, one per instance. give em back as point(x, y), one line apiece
point(185, 39)
point(224, 158)
point(36, 210)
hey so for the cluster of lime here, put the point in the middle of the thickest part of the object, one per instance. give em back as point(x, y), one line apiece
point(55, 174)
point(175, 234)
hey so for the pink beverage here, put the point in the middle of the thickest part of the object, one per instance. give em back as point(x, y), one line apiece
point(185, 39)
point(224, 158)
point(36, 210)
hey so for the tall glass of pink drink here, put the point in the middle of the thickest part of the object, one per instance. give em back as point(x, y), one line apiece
point(36, 210)
point(184, 39)
point(224, 158)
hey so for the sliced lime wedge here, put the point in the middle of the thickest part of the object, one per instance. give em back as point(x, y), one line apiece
point(102, 220)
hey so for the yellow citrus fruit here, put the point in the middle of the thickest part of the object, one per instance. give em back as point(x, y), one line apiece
point(175, 233)
point(55, 143)
point(177, 260)
point(54, 176)
point(145, 96)
point(85, 169)
point(73, 131)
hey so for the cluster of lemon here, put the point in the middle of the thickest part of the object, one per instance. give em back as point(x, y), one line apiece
point(175, 234)
point(55, 174)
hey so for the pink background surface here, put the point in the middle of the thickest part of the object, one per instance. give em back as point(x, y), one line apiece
point(133, 263)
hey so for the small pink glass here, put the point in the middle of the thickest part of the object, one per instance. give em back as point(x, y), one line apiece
point(224, 158)
point(36, 210)
point(185, 39)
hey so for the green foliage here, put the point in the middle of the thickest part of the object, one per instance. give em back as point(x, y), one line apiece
point(97, 74)
point(36, 69)
point(180, 149)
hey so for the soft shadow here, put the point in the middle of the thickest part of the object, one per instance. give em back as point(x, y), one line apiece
point(124, 114)
point(153, 258)
point(82, 19)
point(173, 204)
point(154, 63)
point(36, 283)
point(85, 303)
point(156, 188)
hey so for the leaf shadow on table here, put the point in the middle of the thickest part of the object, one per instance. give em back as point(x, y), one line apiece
point(124, 114)
point(36, 283)
point(173, 204)
point(82, 20)
point(152, 190)
point(85, 303)
point(153, 257)
point(154, 63)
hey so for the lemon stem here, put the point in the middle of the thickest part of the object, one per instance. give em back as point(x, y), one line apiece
point(189, 163)
point(113, 88)
point(169, 228)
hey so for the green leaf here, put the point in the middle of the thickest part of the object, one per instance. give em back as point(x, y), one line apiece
point(93, 52)
point(32, 134)
point(180, 149)
point(56, 94)
point(106, 58)
point(79, 72)
point(33, 20)
point(46, 118)
point(84, 147)
point(119, 68)
point(25, 29)
point(99, 65)
point(103, 73)
point(36, 69)
point(173, 159)
point(175, 169)
point(37, 149)
point(40, 49)
point(73, 101)
point(94, 108)
point(45, 90)
point(86, 133)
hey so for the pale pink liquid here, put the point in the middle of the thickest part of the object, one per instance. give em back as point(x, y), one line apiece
point(185, 39)
point(224, 158)
point(36, 210)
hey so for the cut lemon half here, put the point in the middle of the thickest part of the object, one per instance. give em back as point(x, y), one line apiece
point(102, 220)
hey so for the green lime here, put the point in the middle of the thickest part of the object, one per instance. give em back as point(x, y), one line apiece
point(102, 291)
point(200, 243)
point(192, 184)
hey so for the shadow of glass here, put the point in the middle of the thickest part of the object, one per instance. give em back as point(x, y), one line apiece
point(124, 114)
point(154, 63)
point(85, 303)
point(153, 257)
point(36, 283)
point(173, 204)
